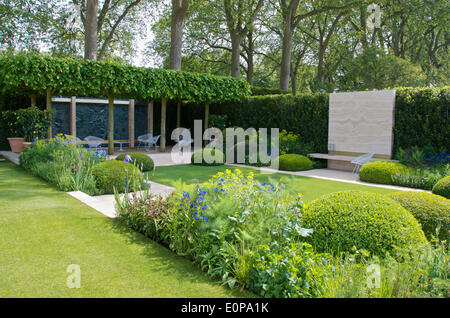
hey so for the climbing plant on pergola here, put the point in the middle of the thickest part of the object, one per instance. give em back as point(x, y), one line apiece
point(33, 74)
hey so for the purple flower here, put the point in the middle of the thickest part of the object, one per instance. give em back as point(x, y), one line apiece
point(81, 155)
point(128, 159)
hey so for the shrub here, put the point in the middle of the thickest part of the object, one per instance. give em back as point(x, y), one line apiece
point(118, 175)
point(63, 164)
point(380, 171)
point(215, 155)
point(365, 220)
point(31, 123)
point(147, 214)
point(293, 162)
point(288, 270)
point(141, 160)
point(420, 178)
point(429, 209)
point(442, 187)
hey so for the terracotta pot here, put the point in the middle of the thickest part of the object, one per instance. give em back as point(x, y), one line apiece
point(26, 144)
point(16, 144)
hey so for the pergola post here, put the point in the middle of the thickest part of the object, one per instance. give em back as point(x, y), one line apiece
point(73, 116)
point(179, 114)
point(110, 125)
point(48, 104)
point(131, 123)
point(162, 142)
point(150, 118)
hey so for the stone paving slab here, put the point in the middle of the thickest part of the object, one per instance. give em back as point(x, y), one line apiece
point(105, 204)
point(11, 156)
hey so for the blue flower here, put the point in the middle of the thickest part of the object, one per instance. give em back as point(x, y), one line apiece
point(128, 159)
point(81, 155)
point(222, 179)
point(204, 207)
point(205, 219)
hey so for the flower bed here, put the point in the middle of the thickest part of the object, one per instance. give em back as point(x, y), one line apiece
point(252, 234)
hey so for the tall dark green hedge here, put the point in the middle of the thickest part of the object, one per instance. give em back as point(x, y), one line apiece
point(260, 91)
point(421, 118)
point(305, 114)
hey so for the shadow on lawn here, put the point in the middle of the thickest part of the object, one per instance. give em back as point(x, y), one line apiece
point(179, 267)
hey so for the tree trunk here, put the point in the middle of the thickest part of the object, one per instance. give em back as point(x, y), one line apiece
point(286, 59)
point(162, 142)
point(293, 80)
point(33, 100)
point(250, 59)
point(110, 125)
point(179, 8)
point(236, 40)
point(90, 30)
point(48, 103)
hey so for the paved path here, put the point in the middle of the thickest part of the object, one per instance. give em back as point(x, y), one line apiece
point(334, 175)
point(105, 204)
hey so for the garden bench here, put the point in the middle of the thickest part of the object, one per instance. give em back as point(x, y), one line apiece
point(342, 162)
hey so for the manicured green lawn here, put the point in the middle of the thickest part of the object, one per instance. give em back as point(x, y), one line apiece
point(311, 188)
point(43, 231)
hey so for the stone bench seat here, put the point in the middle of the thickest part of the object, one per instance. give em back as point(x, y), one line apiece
point(341, 162)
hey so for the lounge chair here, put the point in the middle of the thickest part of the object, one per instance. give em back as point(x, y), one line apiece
point(145, 139)
point(153, 141)
point(360, 161)
point(93, 142)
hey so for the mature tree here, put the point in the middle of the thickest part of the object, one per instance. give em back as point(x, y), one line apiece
point(292, 13)
point(104, 24)
point(240, 16)
point(179, 9)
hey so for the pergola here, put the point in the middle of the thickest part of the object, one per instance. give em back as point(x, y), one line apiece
point(35, 74)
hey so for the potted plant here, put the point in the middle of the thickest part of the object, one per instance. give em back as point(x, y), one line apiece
point(26, 126)
point(14, 131)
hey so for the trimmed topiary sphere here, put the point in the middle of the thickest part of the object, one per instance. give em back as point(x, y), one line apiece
point(209, 153)
point(429, 209)
point(141, 160)
point(380, 171)
point(117, 174)
point(293, 162)
point(366, 220)
point(442, 187)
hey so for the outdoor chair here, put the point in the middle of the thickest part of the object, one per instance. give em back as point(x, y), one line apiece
point(153, 141)
point(145, 139)
point(93, 142)
point(360, 161)
point(73, 140)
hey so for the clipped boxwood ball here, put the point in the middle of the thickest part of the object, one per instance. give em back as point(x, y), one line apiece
point(208, 154)
point(141, 160)
point(115, 174)
point(365, 220)
point(293, 162)
point(429, 209)
point(380, 171)
point(442, 187)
